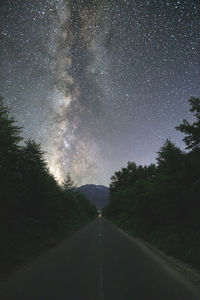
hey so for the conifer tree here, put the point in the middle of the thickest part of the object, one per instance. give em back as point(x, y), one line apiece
point(68, 183)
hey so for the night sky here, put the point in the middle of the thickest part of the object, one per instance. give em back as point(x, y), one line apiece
point(99, 83)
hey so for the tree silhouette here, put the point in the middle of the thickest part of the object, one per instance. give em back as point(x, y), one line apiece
point(68, 183)
point(192, 131)
point(9, 161)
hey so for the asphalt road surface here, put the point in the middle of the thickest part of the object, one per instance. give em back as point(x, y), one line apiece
point(99, 262)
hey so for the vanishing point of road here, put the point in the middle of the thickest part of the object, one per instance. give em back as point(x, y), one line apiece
point(98, 262)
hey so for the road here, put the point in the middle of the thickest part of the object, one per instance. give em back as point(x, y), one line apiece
point(99, 262)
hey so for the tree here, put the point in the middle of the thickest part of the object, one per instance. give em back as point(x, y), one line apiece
point(192, 172)
point(170, 158)
point(68, 183)
point(34, 172)
point(171, 183)
point(33, 157)
point(9, 137)
point(9, 159)
point(192, 131)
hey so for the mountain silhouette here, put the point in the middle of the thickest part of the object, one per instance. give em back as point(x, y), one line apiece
point(97, 194)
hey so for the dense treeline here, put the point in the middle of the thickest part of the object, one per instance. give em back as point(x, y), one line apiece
point(33, 207)
point(161, 202)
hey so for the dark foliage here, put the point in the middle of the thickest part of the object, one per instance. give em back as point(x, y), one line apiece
point(162, 202)
point(33, 207)
point(192, 131)
point(68, 183)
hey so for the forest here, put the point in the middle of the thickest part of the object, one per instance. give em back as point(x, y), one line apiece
point(161, 202)
point(35, 212)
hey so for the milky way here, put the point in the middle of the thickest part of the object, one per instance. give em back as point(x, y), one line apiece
point(99, 83)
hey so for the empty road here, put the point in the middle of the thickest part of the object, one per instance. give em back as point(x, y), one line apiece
point(98, 262)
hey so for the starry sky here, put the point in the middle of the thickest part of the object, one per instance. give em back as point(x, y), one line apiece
point(99, 83)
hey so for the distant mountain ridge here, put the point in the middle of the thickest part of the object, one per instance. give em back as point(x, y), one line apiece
point(97, 194)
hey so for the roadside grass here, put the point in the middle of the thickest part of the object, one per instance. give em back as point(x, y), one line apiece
point(180, 242)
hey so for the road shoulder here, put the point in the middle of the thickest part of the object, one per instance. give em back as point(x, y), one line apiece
point(187, 272)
